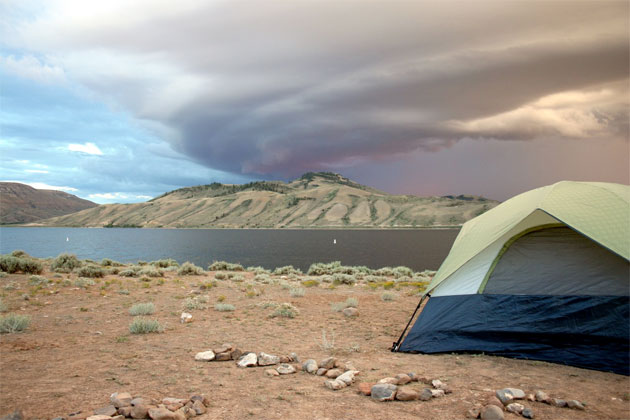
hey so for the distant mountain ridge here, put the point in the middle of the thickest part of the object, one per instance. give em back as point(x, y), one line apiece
point(315, 200)
point(20, 203)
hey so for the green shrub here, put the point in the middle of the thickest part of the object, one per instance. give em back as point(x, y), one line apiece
point(142, 309)
point(388, 285)
point(129, 272)
point(91, 271)
point(221, 276)
point(388, 296)
point(38, 280)
point(286, 270)
point(123, 292)
point(319, 269)
point(9, 264)
point(195, 303)
point(285, 310)
point(83, 282)
point(31, 266)
point(225, 266)
point(190, 269)
point(151, 272)
point(106, 262)
point(402, 271)
point(263, 278)
point(310, 283)
point(165, 263)
point(12, 323)
point(237, 278)
point(340, 306)
point(224, 307)
point(19, 254)
point(258, 270)
point(3, 274)
point(297, 291)
point(339, 278)
point(3, 306)
point(144, 326)
point(385, 271)
point(65, 263)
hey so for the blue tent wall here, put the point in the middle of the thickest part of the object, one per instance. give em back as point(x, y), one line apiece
point(585, 331)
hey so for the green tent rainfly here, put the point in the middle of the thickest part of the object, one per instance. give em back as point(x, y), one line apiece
point(548, 265)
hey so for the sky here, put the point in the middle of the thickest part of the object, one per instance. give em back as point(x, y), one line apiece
point(121, 101)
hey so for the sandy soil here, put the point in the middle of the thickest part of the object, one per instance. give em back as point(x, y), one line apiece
point(78, 350)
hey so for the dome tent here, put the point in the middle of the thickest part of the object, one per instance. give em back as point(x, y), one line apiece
point(544, 276)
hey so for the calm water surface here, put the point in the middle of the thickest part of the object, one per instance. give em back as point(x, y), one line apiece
point(417, 249)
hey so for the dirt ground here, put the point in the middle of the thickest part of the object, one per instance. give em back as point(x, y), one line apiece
point(78, 350)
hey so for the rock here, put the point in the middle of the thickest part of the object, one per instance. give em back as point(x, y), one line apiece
point(473, 413)
point(120, 399)
point(348, 377)
point(335, 384)
point(285, 359)
point(328, 363)
point(174, 407)
point(322, 372)
point(493, 400)
point(365, 388)
point(286, 369)
point(164, 414)
point(310, 366)
point(125, 411)
point(541, 396)
point(222, 357)
point(491, 412)
point(348, 365)
point(185, 318)
point(426, 394)
point(515, 408)
point(187, 412)
point(224, 348)
point(271, 372)
point(119, 417)
point(575, 404)
point(333, 373)
point(78, 416)
point(530, 397)
point(165, 401)
point(201, 398)
point(139, 401)
point(139, 411)
point(558, 402)
point(351, 312)
point(247, 360)
point(384, 392)
point(199, 407)
point(108, 410)
point(390, 380)
point(528, 413)
point(16, 415)
point(413, 376)
point(437, 393)
point(205, 356)
point(405, 394)
point(295, 357)
point(99, 417)
point(504, 396)
point(402, 379)
point(236, 354)
point(265, 359)
point(437, 384)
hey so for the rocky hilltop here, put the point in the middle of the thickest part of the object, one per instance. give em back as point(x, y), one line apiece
point(315, 200)
point(20, 203)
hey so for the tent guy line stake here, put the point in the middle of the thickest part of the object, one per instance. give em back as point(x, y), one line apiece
point(396, 344)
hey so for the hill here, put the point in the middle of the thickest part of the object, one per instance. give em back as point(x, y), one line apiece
point(315, 200)
point(20, 203)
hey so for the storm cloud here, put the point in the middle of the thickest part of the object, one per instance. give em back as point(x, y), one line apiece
point(274, 89)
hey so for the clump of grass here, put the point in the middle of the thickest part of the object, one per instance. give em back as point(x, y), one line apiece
point(328, 344)
point(285, 310)
point(19, 253)
point(263, 278)
point(106, 262)
point(224, 307)
point(3, 306)
point(145, 326)
point(151, 271)
point(297, 291)
point(220, 298)
point(123, 292)
point(286, 270)
point(225, 266)
point(268, 304)
point(65, 263)
point(36, 280)
point(12, 264)
point(340, 306)
point(237, 278)
point(258, 270)
point(310, 283)
point(374, 279)
point(132, 271)
point(402, 271)
point(221, 276)
point(142, 309)
point(12, 323)
point(190, 269)
point(91, 271)
point(83, 282)
point(388, 285)
point(165, 263)
point(195, 303)
point(3, 274)
point(388, 296)
point(385, 271)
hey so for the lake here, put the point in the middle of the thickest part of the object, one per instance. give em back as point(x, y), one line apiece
point(418, 249)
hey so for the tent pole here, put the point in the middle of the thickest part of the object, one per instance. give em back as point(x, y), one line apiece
point(396, 344)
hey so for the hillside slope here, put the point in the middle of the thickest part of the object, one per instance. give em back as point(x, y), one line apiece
point(20, 203)
point(316, 200)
